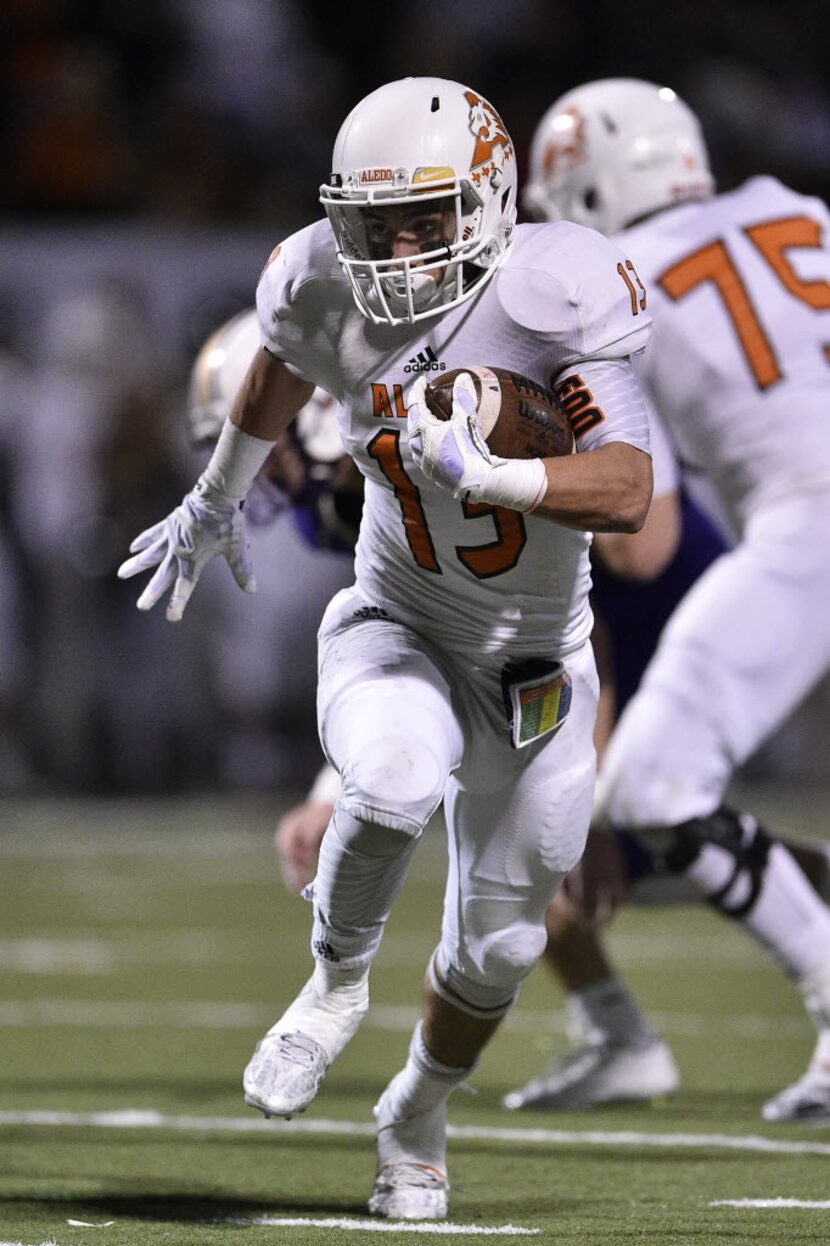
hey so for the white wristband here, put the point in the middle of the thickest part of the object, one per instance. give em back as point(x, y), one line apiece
point(234, 463)
point(519, 484)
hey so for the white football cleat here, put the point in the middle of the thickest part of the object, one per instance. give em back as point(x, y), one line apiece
point(290, 1062)
point(284, 1074)
point(411, 1183)
point(806, 1100)
point(409, 1191)
point(598, 1073)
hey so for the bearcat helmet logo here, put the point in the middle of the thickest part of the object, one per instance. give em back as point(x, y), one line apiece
point(493, 147)
point(568, 148)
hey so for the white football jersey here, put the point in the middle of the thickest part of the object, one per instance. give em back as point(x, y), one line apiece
point(478, 579)
point(738, 366)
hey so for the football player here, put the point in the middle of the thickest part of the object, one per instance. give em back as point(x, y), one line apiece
point(458, 667)
point(739, 286)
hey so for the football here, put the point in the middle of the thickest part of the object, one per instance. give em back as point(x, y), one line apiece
point(519, 418)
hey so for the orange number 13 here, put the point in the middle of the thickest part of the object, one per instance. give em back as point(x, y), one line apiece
point(484, 561)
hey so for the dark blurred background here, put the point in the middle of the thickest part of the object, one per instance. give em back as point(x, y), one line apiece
point(152, 154)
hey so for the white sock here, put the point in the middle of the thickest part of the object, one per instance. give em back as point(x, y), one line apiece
point(329, 1008)
point(424, 1081)
point(343, 980)
point(606, 1011)
point(788, 917)
point(413, 1121)
point(816, 990)
point(821, 1055)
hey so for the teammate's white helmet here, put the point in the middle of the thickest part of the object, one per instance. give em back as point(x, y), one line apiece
point(423, 144)
point(614, 150)
point(217, 374)
point(307, 467)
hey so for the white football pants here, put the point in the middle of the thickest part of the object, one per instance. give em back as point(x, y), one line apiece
point(407, 725)
point(743, 648)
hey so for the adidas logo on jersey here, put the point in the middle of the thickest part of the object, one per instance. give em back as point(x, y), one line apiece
point(371, 612)
point(425, 361)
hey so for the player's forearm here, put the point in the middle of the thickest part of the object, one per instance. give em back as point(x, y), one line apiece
point(643, 556)
point(604, 490)
point(269, 398)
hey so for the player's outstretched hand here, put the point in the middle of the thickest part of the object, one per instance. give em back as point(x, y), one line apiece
point(454, 455)
point(205, 526)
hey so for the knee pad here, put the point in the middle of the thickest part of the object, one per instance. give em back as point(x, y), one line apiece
point(485, 1003)
point(737, 835)
point(393, 780)
point(483, 974)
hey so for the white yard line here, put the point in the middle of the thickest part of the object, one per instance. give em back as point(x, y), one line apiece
point(86, 955)
point(215, 1014)
point(118, 832)
point(674, 1024)
point(397, 1226)
point(146, 1119)
point(397, 946)
point(93, 957)
point(815, 1204)
point(126, 1014)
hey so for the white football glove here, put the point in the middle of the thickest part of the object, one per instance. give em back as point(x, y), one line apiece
point(454, 455)
point(206, 525)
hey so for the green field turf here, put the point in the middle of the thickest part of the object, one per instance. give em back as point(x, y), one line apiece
point(146, 946)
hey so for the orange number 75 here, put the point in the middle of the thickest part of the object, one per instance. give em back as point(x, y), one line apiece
point(714, 263)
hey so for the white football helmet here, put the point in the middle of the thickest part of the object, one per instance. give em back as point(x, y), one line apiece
point(217, 374)
point(308, 466)
point(614, 150)
point(421, 148)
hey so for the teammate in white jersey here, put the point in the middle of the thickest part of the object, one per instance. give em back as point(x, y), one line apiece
point(739, 287)
point(458, 667)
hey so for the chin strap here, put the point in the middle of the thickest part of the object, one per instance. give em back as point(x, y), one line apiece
point(425, 290)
